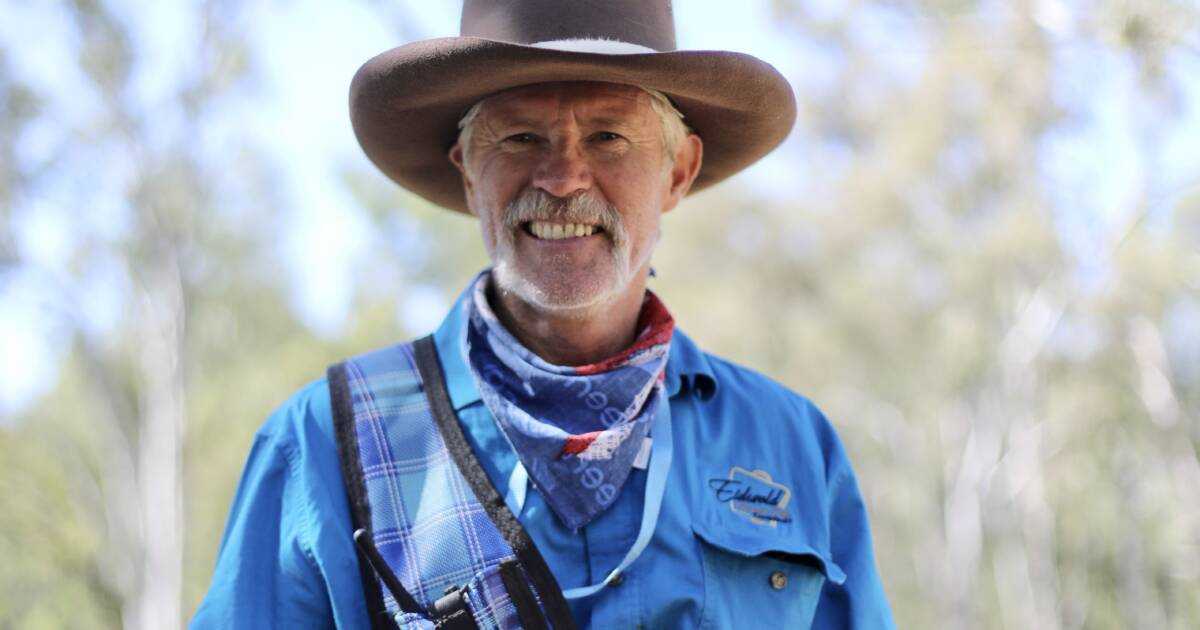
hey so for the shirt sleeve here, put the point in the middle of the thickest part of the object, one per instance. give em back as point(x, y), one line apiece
point(859, 602)
point(266, 576)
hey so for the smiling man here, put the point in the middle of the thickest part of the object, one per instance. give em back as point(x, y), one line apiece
point(569, 181)
point(557, 454)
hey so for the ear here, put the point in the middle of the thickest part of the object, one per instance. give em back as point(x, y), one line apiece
point(688, 158)
point(457, 159)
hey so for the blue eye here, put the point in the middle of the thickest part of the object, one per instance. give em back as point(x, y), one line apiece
point(607, 136)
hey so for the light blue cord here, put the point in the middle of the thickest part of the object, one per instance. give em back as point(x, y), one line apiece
point(661, 453)
point(518, 485)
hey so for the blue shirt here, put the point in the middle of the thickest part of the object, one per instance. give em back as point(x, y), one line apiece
point(762, 520)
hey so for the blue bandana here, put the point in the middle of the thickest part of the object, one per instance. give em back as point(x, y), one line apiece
point(576, 430)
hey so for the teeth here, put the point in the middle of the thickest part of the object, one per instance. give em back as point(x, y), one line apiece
point(556, 231)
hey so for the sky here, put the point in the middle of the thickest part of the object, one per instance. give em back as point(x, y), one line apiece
point(308, 50)
point(316, 109)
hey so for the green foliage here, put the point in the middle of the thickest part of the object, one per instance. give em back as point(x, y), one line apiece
point(1019, 396)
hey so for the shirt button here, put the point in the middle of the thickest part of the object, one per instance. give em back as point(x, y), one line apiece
point(617, 579)
point(778, 580)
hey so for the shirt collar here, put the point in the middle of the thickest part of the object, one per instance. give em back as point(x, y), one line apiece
point(688, 368)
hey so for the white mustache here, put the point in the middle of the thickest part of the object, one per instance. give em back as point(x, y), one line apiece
point(538, 205)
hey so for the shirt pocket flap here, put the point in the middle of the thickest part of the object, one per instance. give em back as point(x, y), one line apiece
point(754, 540)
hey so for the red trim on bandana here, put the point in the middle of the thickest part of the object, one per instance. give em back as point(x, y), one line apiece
point(656, 326)
point(577, 444)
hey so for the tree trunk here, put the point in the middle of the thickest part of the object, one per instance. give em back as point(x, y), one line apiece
point(160, 451)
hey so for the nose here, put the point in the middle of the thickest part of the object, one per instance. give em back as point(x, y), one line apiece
point(563, 170)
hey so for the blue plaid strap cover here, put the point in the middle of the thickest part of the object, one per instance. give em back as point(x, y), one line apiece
point(415, 486)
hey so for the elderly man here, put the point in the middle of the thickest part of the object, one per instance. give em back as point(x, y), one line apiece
point(557, 454)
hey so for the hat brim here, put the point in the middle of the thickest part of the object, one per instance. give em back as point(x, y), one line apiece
point(405, 104)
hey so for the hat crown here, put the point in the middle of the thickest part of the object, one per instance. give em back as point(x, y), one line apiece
point(649, 23)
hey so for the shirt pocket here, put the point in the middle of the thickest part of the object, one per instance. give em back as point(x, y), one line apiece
point(760, 578)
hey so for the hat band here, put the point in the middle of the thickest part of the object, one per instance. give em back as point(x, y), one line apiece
point(599, 46)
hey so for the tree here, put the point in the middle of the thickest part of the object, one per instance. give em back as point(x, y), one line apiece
point(1013, 364)
point(164, 233)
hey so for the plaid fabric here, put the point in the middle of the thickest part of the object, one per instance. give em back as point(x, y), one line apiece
point(489, 601)
point(425, 520)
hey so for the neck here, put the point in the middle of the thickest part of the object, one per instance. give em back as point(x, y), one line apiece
point(572, 338)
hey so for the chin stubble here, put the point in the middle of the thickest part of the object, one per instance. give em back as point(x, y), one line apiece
point(541, 206)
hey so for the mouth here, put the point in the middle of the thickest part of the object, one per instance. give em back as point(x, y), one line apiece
point(548, 231)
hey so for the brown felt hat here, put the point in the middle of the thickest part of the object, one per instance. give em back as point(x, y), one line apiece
point(405, 104)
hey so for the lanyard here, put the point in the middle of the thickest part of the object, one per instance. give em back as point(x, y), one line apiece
point(661, 453)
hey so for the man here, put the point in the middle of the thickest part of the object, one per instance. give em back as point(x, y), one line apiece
point(557, 454)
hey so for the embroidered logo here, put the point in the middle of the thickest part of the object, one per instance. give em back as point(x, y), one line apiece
point(754, 495)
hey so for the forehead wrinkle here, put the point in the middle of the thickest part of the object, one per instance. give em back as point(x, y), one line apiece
point(617, 107)
point(611, 121)
point(624, 105)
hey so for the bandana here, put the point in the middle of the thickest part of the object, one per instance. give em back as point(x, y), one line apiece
point(576, 430)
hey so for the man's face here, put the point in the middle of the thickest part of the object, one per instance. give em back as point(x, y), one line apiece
point(569, 181)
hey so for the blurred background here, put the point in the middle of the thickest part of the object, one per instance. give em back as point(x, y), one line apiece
point(979, 253)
